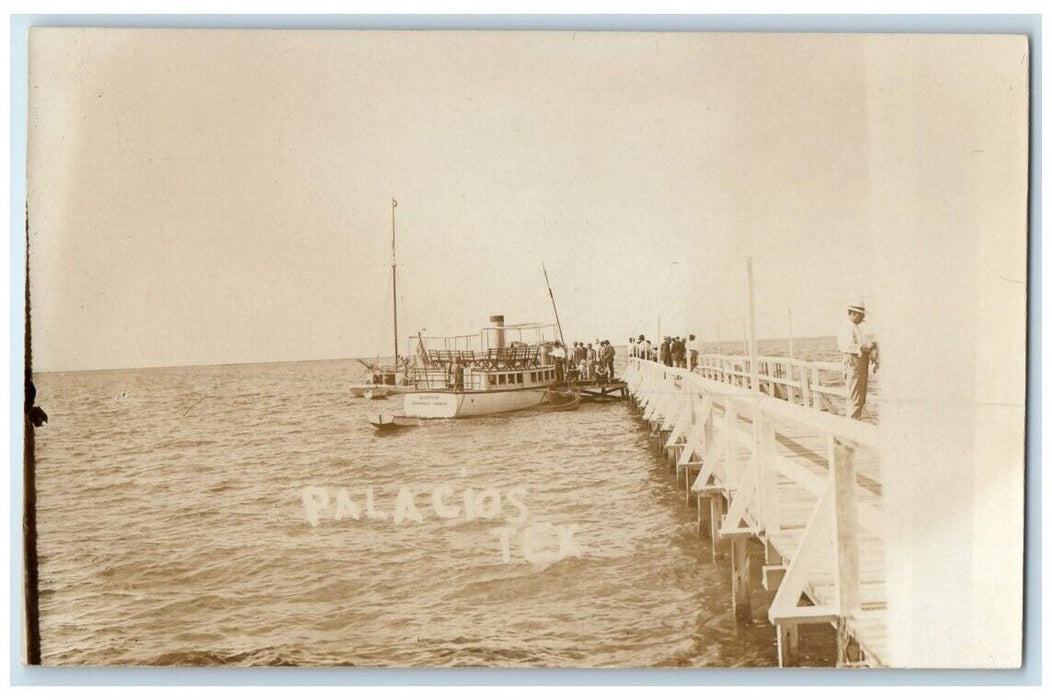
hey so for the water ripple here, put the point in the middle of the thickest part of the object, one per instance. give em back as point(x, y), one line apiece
point(173, 531)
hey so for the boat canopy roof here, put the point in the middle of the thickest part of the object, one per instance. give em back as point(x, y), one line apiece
point(516, 346)
point(518, 334)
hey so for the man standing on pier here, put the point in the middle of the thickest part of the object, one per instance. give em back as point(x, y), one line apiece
point(856, 350)
point(666, 352)
point(606, 358)
point(679, 351)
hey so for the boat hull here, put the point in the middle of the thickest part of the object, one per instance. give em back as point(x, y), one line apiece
point(358, 390)
point(389, 422)
point(465, 404)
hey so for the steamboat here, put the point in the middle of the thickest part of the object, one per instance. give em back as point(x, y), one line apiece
point(500, 376)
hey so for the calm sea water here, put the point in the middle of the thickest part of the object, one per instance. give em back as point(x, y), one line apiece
point(174, 529)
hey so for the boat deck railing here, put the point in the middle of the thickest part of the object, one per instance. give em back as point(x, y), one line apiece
point(518, 357)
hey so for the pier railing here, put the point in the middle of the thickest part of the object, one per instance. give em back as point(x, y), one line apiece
point(806, 484)
point(813, 384)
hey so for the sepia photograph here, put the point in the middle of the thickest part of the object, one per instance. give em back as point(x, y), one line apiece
point(525, 349)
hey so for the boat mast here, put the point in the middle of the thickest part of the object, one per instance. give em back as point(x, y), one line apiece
point(557, 324)
point(394, 279)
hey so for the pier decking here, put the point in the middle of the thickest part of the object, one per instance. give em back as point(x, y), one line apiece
point(601, 390)
point(804, 483)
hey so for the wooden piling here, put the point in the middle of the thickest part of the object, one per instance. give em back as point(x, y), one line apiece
point(703, 516)
point(842, 465)
point(690, 470)
point(788, 645)
point(717, 510)
point(741, 582)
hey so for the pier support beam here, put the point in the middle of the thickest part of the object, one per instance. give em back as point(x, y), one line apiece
point(772, 579)
point(690, 472)
point(771, 555)
point(848, 652)
point(788, 645)
point(773, 570)
point(672, 455)
point(716, 512)
point(704, 526)
point(741, 583)
point(842, 461)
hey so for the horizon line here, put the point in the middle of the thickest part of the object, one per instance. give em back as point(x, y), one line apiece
point(334, 359)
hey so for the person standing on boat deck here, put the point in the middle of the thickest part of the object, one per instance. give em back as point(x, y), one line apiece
point(558, 354)
point(856, 349)
point(458, 374)
point(648, 350)
point(693, 351)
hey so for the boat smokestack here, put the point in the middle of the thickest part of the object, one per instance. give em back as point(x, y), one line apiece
point(497, 320)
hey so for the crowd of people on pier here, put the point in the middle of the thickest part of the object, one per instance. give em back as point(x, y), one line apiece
point(584, 361)
point(857, 347)
point(595, 361)
point(672, 351)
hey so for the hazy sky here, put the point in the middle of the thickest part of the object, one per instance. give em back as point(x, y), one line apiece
point(203, 196)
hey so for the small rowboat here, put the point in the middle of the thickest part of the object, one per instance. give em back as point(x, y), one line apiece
point(389, 422)
point(564, 399)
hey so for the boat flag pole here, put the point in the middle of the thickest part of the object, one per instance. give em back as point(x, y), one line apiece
point(557, 324)
point(394, 280)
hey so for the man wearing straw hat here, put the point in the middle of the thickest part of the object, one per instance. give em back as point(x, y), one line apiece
point(856, 350)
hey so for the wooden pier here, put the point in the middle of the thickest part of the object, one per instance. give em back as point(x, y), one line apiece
point(804, 483)
point(601, 390)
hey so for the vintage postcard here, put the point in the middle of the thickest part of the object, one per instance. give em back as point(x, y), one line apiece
point(569, 349)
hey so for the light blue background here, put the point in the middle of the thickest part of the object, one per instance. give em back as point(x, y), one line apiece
point(1030, 674)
